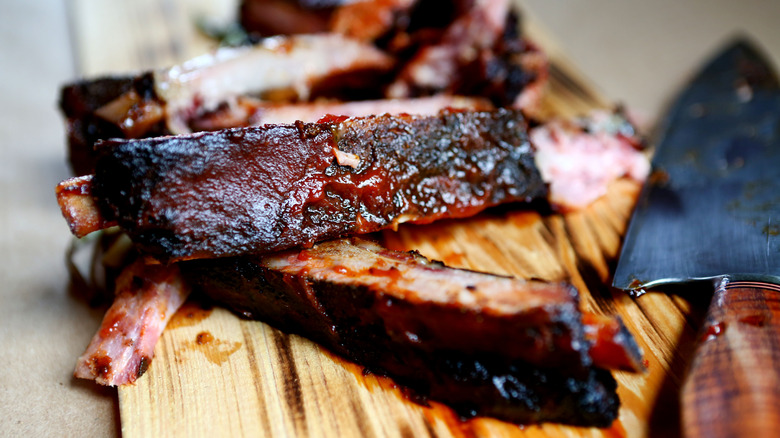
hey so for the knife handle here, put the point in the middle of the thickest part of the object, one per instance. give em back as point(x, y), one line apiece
point(733, 384)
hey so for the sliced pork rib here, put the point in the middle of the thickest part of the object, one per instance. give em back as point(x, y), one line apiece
point(263, 189)
point(146, 298)
point(436, 65)
point(447, 332)
point(427, 305)
point(170, 100)
point(444, 332)
point(217, 207)
point(473, 50)
point(269, 188)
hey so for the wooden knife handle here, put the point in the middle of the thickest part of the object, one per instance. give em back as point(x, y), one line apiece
point(733, 384)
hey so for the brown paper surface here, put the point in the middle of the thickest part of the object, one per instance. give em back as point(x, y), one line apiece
point(43, 329)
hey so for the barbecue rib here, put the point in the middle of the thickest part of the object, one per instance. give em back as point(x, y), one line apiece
point(264, 189)
point(484, 344)
point(434, 308)
point(290, 64)
point(233, 87)
point(169, 100)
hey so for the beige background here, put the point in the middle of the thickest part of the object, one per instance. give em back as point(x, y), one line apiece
point(640, 51)
point(637, 52)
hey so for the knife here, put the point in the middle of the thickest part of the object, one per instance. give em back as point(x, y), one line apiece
point(710, 212)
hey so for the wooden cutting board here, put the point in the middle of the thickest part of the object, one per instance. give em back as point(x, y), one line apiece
point(217, 375)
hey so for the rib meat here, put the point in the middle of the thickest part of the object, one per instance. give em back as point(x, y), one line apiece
point(476, 52)
point(436, 66)
point(146, 298)
point(294, 64)
point(479, 342)
point(285, 17)
point(169, 100)
point(480, 53)
point(274, 187)
point(578, 158)
point(371, 19)
point(250, 192)
point(264, 189)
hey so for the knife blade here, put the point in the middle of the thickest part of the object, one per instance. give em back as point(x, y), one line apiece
point(711, 212)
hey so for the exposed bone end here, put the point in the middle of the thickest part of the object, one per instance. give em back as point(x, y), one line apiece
point(74, 197)
point(147, 296)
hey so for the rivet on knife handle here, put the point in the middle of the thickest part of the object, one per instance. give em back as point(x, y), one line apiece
point(733, 386)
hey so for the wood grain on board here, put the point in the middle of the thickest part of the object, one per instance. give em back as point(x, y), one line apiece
point(217, 375)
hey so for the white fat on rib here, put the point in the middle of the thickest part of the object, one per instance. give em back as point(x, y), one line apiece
point(285, 62)
point(579, 164)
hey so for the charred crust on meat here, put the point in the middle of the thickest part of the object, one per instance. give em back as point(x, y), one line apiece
point(498, 74)
point(170, 193)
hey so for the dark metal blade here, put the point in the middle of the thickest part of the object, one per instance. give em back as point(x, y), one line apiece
point(711, 208)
